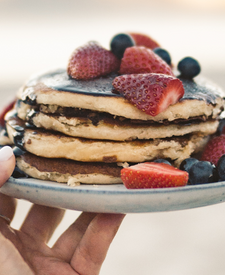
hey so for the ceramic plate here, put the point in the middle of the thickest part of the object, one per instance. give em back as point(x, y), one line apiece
point(114, 198)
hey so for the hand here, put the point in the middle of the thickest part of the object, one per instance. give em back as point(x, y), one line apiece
point(81, 249)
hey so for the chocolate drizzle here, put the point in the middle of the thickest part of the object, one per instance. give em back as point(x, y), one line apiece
point(18, 139)
point(17, 173)
point(199, 88)
point(28, 96)
point(60, 81)
point(96, 117)
point(31, 114)
point(18, 136)
point(18, 151)
point(3, 132)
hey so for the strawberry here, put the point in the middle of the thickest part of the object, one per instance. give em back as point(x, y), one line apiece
point(144, 40)
point(153, 175)
point(4, 111)
point(91, 61)
point(151, 93)
point(138, 60)
point(214, 149)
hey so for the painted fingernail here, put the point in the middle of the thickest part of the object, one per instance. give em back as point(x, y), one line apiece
point(5, 153)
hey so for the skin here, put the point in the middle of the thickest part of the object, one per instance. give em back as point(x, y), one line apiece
point(81, 249)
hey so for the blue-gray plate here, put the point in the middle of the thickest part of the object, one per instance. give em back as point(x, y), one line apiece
point(114, 198)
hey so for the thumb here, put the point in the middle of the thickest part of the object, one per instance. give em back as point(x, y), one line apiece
point(7, 163)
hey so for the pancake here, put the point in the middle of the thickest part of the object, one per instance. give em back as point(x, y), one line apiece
point(50, 144)
point(100, 126)
point(82, 131)
point(201, 98)
point(67, 171)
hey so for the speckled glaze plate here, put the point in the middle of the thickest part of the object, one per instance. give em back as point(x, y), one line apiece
point(114, 198)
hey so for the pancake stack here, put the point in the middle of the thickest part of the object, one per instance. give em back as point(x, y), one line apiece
point(83, 131)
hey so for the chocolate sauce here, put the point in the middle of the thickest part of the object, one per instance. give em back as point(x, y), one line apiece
point(18, 136)
point(3, 132)
point(95, 117)
point(60, 81)
point(18, 139)
point(30, 125)
point(199, 88)
point(18, 151)
point(28, 96)
point(17, 173)
point(31, 114)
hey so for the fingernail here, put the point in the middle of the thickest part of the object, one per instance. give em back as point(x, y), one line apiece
point(5, 153)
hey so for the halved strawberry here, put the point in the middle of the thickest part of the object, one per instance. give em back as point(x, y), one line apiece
point(214, 149)
point(4, 111)
point(144, 40)
point(91, 61)
point(153, 175)
point(150, 93)
point(140, 60)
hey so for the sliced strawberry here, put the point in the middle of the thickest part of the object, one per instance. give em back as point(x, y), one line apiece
point(91, 61)
point(150, 93)
point(214, 149)
point(140, 60)
point(5, 110)
point(144, 40)
point(153, 175)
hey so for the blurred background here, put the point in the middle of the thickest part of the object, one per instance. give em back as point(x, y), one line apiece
point(40, 35)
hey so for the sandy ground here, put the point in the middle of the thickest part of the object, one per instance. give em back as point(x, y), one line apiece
point(40, 35)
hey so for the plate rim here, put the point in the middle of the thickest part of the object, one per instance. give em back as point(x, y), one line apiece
point(114, 200)
point(93, 188)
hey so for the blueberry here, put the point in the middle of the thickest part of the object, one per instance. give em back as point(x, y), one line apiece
point(189, 67)
point(221, 127)
point(163, 54)
point(162, 161)
point(202, 172)
point(187, 163)
point(221, 168)
point(120, 42)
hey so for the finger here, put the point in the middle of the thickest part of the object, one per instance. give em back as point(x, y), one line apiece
point(11, 261)
point(7, 207)
point(41, 222)
point(7, 165)
point(68, 241)
point(93, 247)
